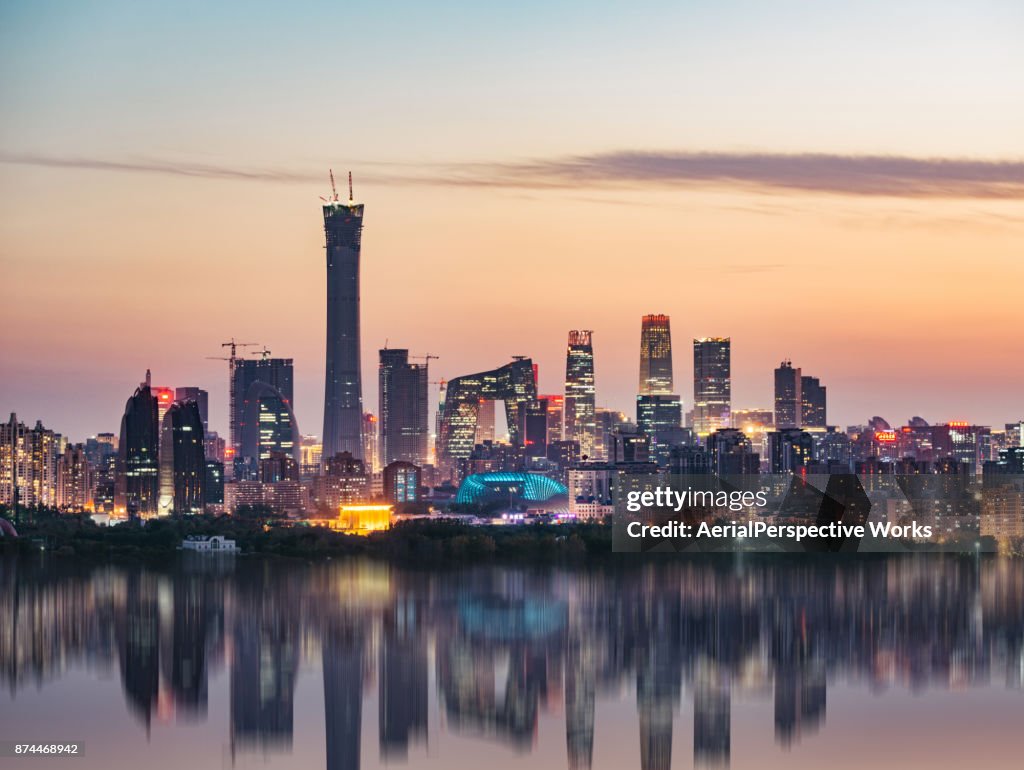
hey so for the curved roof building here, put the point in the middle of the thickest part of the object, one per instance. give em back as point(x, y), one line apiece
point(502, 485)
point(269, 424)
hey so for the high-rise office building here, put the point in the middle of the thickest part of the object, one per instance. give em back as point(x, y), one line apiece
point(202, 399)
point(788, 396)
point(533, 427)
point(712, 384)
point(278, 373)
point(812, 404)
point(512, 383)
point(556, 410)
point(404, 434)
point(371, 442)
point(268, 425)
point(343, 385)
point(213, 490)
point(655, 356)
point(138, 476)
point(580, 397)
point(74, 479)
point(660, 417)
point(182, 461)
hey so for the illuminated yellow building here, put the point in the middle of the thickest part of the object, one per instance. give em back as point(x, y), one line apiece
point(358, 519)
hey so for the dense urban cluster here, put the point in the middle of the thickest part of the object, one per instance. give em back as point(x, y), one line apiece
point(563, 455)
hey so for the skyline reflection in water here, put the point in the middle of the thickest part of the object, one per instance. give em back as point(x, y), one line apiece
point(706, 662)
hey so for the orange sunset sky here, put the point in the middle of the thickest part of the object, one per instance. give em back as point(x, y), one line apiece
point(841, 184)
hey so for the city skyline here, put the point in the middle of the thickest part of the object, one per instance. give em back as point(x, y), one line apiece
point(828, 231)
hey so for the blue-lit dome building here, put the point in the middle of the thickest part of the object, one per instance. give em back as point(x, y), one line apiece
point(509, 486)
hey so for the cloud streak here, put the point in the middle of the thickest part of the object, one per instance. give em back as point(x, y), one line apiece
point(147, 166)
point(853, 175)
point(807, 173)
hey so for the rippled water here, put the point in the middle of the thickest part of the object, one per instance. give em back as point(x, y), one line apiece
point(733, 660)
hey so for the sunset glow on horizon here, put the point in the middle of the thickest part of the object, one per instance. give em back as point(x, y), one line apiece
point(837, 184)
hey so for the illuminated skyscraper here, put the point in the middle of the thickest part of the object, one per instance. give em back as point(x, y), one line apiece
point(788, 396)
point(182, 460)
point(138, 470)
point(403, 408)
point(343, 386)
point(660, 417)
point(556, 410)
point(655, 356)
point(513, 383)
point(278, 373)
point(371, 442)
point(74, 479)
point(812, 404)
point(268, 425)
point(580, 401)
point(712, 384)
point(202, 399)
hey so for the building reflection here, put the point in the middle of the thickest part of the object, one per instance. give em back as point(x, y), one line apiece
point(497, 650)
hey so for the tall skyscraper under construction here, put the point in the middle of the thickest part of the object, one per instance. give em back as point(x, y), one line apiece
point(655, 356)
point(343, 386)
point(580, 400)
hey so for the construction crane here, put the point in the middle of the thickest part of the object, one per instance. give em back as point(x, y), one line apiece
point(334, 189)
point(234, 345)
point(425, 359)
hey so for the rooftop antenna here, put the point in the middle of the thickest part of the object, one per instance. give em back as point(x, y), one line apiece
point(350, 198)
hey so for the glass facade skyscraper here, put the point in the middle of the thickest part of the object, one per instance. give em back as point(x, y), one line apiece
point(278, 373)
point(812, 404)
point(712, 384)
point(269, 426)
point(513, 383)
point(138, 469)
point(788, 397)
point(343, 386)
point(580, 399)
point(182, 460)
point(660, 417)
point(404, 434)
point(655, 356)
point(202, 399)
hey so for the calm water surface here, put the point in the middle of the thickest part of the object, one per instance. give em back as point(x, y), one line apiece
point(711, 662)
